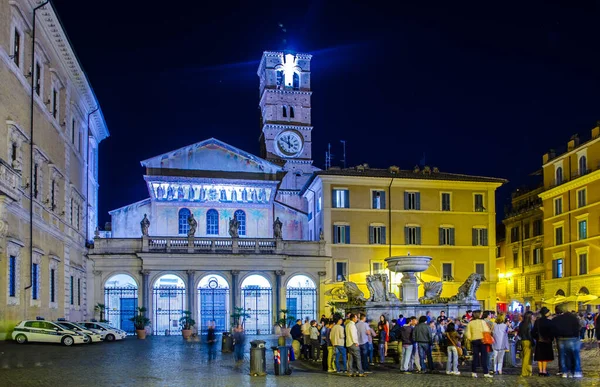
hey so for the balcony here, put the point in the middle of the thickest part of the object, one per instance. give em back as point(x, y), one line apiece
point(203, 245)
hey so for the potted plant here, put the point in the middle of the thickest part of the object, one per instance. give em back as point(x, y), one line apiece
point(101, 309)
point(284, 324)
point(140, 321)
point(188, 322)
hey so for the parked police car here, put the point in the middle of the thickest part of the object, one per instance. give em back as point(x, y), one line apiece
point(107, 332)
point(46, 332)
point(92, 336)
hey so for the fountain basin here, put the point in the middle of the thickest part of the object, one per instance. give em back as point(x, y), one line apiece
point(408, 263)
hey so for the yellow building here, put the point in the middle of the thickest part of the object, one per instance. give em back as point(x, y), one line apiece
point(366, 215)
point(571, 205)
point(523, 274)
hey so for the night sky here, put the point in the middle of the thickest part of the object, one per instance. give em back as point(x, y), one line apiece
point(482, 88)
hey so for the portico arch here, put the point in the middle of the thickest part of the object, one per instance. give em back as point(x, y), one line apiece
point(213, 303)
point(120, 301)
point(257, 295)
point(301, 297)
point(168, 303)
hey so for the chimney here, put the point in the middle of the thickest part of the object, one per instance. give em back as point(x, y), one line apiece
point(548, 156)
point(573, 143)
point(596, 130)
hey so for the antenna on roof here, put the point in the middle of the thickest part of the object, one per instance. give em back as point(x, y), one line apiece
point(344, 145)
point(328, 157)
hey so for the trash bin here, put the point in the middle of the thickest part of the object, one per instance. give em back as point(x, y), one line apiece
point(510, 357)
point(258, 364)
point(227, 343)
point(281, 359)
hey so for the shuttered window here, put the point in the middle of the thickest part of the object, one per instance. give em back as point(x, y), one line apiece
point(446, 236)
point(340, 198)
point(378, 200)
point(480, 237)
point(377, 235)
point(412, 235)
point(446, 201)
point(341, 234)
point(412, 200)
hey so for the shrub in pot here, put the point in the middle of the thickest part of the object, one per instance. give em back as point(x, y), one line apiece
point(188, 323)
point(284, 324)
point(140, 321)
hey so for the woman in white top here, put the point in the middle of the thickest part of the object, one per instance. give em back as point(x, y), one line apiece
point(500, 334)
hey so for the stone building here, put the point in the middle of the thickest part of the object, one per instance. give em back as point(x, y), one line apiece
point(48, 183)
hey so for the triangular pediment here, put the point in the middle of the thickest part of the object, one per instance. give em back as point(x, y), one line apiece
point(212, 155)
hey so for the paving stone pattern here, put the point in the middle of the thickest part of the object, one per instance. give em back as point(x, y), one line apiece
point(171, 361)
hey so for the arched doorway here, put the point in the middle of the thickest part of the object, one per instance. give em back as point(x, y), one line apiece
point(301, 297)
point(120, 301)
point(213, 303)
point(168, 300)
point(256, 300)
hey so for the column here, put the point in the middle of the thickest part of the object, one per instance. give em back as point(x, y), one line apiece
point(278, 274)
point(98, 291)
point(190, 290)
point(234, 288)
point(146, 290)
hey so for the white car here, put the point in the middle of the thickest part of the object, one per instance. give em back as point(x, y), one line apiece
point(107, 332)
point(46, 332)
point(93, 337)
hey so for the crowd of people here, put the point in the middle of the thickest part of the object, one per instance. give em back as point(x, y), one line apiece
point(352, 345)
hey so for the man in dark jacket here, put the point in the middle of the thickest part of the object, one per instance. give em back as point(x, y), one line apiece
point(406, 338)
point(296, 331)
point(422, 335)
point(566, 329)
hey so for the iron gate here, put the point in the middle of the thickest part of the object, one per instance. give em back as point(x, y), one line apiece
point(120, 307)
point(213, 302)
point(257, 303)
point(169, 304)
point(302, 303)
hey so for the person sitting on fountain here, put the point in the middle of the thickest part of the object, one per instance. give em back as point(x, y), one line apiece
point(442, 317)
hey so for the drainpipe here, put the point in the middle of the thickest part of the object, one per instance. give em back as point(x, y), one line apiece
point(88, 244)
point(31, 167)
point(390, 227)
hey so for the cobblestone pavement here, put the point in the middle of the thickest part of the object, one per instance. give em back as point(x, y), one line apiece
point(170, 361)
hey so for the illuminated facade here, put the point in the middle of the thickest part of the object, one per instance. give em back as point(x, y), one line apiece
point(47, 275)
point(571, 211)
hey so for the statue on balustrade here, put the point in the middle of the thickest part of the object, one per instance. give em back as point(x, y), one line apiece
point(170, 192)
point(160, 192)
point(192, 224)
point(145, 224)
point(180, 193)
point(234, 224)
point(277, 228)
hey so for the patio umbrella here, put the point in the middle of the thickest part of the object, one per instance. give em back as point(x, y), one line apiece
point(593, 302)
point(555, 300)
point(581, 298)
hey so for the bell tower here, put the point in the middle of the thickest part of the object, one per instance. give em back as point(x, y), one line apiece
point(285, 108)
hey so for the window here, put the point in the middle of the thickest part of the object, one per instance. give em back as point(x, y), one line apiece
point(341, 234)
point(240, 216)
point(516, 286)
point(515, 259)
point(582, 229)
point(480, 269)
point(582, 165)
point(527, 284)
point(514, 234)
point(447, 236)
point(36, 169)
point(537, 256)
point(78, 291)
point(212, 222)
point(73, 131)
point(557, 206)
point(583, 264)
point(16, 52)
point(78, 216)
point(537, 227)
point(498, 251)
point(53, 195)
point(319, 203)
point(341, 198)
point(284, 112)
point(558, 236)
point(480, 237)
point(538, 282)
point(35, 283)
point(412, 235)
point(377, 268)
point(478, 199)
point(526, 256)
point(557, 268)
point(341, 271)
point(291, 112)
point(184, 227)
point(581, 198)
point(54, 103)
point(377, 235)
point(559, 176)
point(412, 200)
point(447, 272)
point(280, 77)
point(378, 199)
point(526, 231)
point(12, 276)
point(38, 79)
point(72, 211)
point(71, 290)
point(446, 201)
point(296, 80)
point(52, 285)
